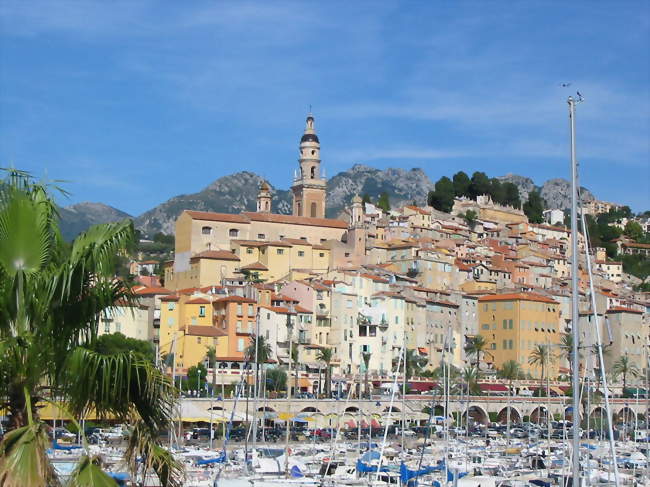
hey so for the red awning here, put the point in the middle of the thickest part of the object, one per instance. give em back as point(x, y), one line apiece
point(421, 386)
point(493, 387)
point(374, 423)
point(364, 423)
point(351, 424)
point(423, 350)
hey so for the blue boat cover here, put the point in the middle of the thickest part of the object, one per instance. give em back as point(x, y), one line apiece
point(220, 459)
point(364, 468)
point(295, 472)
point(56, 446)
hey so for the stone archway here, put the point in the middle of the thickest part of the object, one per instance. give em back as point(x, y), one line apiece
point(539, 415)
point(352, 409)
point(626, 415)
point(515, 415)
point(310, 409)
point(392, 409)
point(598, 414)
point(477, 414)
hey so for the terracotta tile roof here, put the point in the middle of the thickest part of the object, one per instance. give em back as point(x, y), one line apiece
point(636, 245)
point(145, 290)
point(549, 227)
point(388, 294)
point(217, 217)
point(215, 255)
point(608, 263)
point(234, 299)
point(442, 302)
point(205, 331)
point(518, 297)
point(375, 278)
point(320, 247)
point(295, 220)
point(197, 301)
point(172, 297)
point(147, 262)
point(421, 211)
point(255, 266)
point(621, 309)
point(282, 297)
point(296, 241)
point(248, 243)
point(276, 243)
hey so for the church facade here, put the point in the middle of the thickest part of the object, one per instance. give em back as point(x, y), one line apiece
point(212, 246)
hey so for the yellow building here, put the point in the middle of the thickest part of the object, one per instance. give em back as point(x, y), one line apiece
point(514, 324)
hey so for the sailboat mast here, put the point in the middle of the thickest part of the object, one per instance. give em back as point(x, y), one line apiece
point(574, 298)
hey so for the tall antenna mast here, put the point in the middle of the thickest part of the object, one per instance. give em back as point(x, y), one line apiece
point(575, 312)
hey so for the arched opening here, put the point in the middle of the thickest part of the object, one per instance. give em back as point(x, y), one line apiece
point(233, 232)
point(438, 410)
point(515, 416)
point(352, 409)
point(626, 415)
point(392, 409)
point(313, 210)
point(299, 207)
point(266, 205)
point(568, 413)
point(206, 230)
point(539, 415)
point(310, 410)
point(477, 415)
point(598, 417)
point(313, 170)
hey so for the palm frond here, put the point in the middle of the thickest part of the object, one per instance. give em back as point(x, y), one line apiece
point(23, 458)
point(118, 385)
point(143, 445)
point(88, 473)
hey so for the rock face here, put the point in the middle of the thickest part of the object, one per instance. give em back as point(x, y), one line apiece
point(77, 218)
point(524, 184)
point(555, 192)
point(230, 194)
point(238, 192)
point(402, 186)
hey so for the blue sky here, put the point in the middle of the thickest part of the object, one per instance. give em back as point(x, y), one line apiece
point(134, 102)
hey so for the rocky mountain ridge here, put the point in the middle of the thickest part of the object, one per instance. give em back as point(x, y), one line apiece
point(238, 192)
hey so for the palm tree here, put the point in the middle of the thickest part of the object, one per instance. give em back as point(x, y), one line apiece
point(264, 352)
point(566, 345)
point(326, 355)
point(52, 295)
point(475, 347)
point(541, 357)
point(366, 363)
point(623, 367)
point(510, 371)
point(413, 363)
point(469, 378)
point(211, 355)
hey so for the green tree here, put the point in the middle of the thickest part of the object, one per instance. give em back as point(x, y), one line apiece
point(51, 297)
point(414, 363)
point(196, 378)
point(276, 379)
point(624, 367)
point(442, 197)
point(211, 356)
point(479, 185)
point(365, 199)
point(470, 218)
point(366, 364)
point(497, 191)
point(511, 195)
point(534, 207)
point(469, 378)
point(510, 371)
point(116, 343)
point(326, 355)
point(384, 202)
point(461, 184)
point(566, 346)
point(633, 230)
point(541, 357)
point(475, 347)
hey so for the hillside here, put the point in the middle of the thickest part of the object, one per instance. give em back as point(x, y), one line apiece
point(238, 192)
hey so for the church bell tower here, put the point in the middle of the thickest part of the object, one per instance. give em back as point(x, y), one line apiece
point(309, 185)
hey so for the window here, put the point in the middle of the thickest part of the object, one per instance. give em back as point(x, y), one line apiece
point(171, 306)
point(233, 232)
point(201, 311)
point(505, 324)
point(206, 230)
point(198, 339)
point(301, 253)
point(268, 316)
point(261, 236)
point(239, 309)
point(348, 303)
point(170, 321)
point(510, 324)
point(239, 327)
point(193, 320)
point(240, 345)
point(485, 326)
point(249, 250)
point(347, 254)
point(280, 251)
point(251, 310)
point(107, 327)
